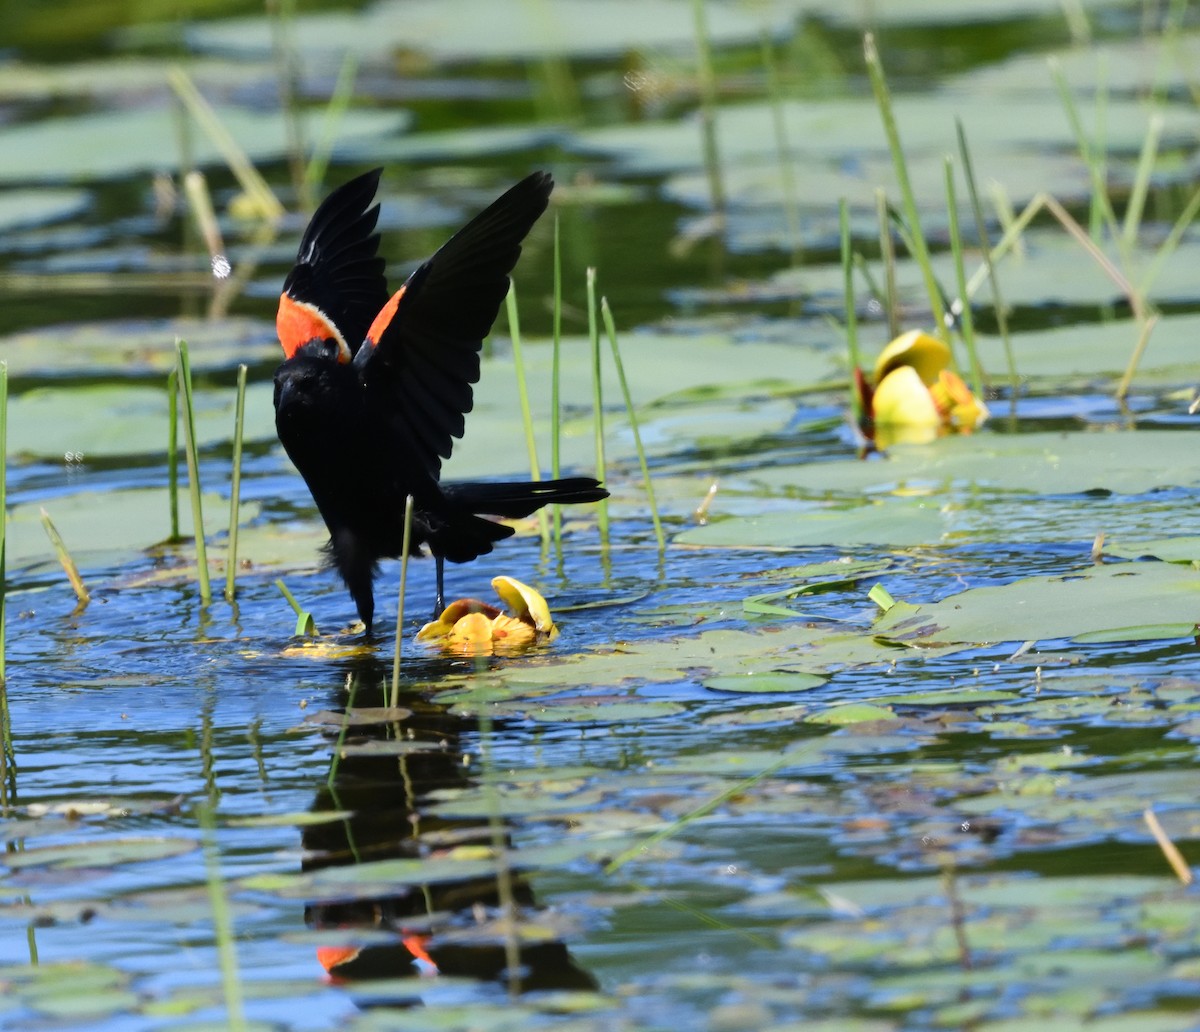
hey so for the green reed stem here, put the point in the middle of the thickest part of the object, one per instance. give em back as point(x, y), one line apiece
point(231, 983)
point(1093, 157)
point(1172, 241)
point(235, 157)
point(918, 247)
point(335, 111)
point(966, 320)
point(306, 626)
point(514, 332)
point(3, 518)
point(611, 330)
point(556, 384)
point(352, 692)
point(65, 560)
point(597, 401)
point(783, 151)
point(985, 246)
point(853, 357)
point(173, 452)
point(887, 254)
point(235, 491)
point(1141, 181)
point(405, 551)
point(708, 108)
point(1135, 359)
point(183, 364)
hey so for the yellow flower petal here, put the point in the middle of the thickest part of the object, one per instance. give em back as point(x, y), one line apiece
point(924, 353)
point(958, 406)
point(901, 399)
point(452, 614)
point(471, 627)
point(525, 603)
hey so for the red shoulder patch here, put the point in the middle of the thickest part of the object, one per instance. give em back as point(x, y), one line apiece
point(298, 322)
point(384, 319)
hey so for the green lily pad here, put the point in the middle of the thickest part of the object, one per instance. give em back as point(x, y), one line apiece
point(105, 527)
point(137, 347)
point(103, 853)
point(80, 146)
point(765, 682)
point(125, 419)
point(1100, 598)
point(851, 713)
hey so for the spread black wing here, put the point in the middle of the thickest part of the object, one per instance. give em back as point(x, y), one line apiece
point(422, 352)
point(338, 269)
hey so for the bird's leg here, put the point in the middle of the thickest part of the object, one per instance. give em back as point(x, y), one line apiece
point(439, 603)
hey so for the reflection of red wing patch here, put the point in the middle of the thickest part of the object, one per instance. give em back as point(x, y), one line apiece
point(331, 957)
point(384, 319)
point(298, 322)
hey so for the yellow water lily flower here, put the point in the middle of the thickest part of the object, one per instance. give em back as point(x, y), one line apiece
point(475, 628)
point(916, 395)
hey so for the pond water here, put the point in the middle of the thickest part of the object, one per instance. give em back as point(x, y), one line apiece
point(735, 793)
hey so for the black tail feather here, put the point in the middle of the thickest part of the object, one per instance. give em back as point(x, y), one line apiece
point(517, 499)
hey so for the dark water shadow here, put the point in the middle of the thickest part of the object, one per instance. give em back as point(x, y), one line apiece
point(386, 798)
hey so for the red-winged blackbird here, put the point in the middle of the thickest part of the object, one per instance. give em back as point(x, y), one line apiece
point(374, 388)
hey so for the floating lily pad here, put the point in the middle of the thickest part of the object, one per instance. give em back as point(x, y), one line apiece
point(80, 146)
point(554, 27)
point(1099, 598)
point(137, 347)
point(102, 853)
point(105, 527)
point(124, 419)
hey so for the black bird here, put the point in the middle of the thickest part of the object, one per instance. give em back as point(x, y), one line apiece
point(374, 387)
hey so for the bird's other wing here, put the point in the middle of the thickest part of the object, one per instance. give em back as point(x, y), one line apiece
point(337, 285)
point(421, 353)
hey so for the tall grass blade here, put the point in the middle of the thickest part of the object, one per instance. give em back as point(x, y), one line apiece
point(597, 401)
point(235, 489)
point(964, 152)
point(239, 164)
point(556, 383)
point(173, 452)
point(514, 332)
point(966, 320)
point(920, 250)
point(231, 983)
point(611, 330)
point(65, 560)
point(853, 357)
point(183, 364)
point(405, 551)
